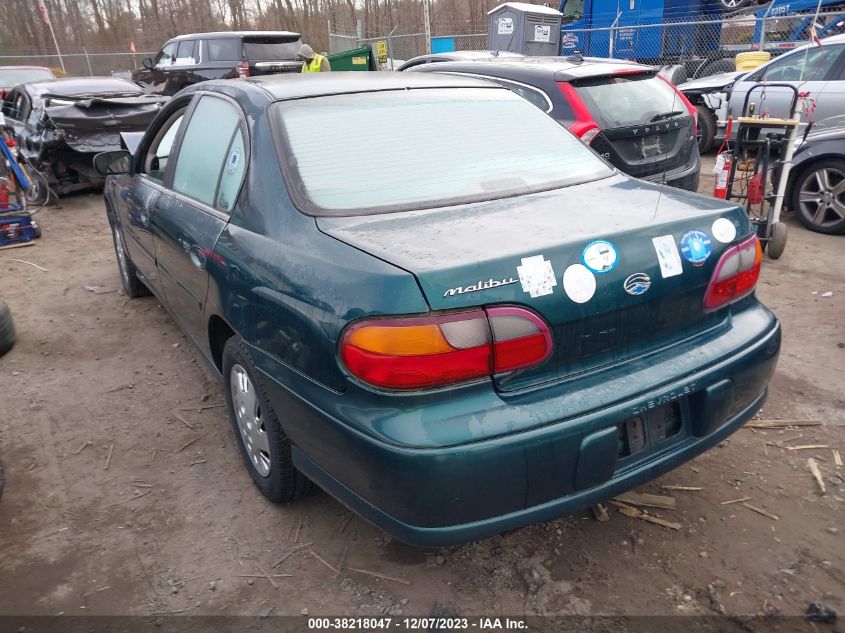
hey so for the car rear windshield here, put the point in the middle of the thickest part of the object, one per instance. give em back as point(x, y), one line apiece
point(271, 48)
point(11, 77)
point(413, 149)
point(623, 100)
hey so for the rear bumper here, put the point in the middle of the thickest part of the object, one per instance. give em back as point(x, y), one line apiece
point(452, 494)
point(685, 177)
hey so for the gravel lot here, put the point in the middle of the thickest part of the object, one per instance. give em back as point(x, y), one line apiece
point(125, 493)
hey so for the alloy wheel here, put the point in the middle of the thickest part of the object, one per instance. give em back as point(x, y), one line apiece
point(822, 197)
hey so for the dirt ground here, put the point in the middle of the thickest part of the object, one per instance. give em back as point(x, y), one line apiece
point(125, 493)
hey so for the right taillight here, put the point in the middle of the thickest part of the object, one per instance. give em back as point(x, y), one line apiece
point(425, 352)
point(735, 275)
point(243, 70)
point(584, 126)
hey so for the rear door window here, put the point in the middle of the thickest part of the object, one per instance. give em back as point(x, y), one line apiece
point(625, 100)
point(224, 50)
point(205, 151)
point(271, 49)
point(186, 53)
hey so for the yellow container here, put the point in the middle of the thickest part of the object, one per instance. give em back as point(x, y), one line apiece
point(752, 60)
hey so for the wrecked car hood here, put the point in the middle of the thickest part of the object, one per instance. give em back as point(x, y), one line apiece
point(713, 82)
point(95, 124)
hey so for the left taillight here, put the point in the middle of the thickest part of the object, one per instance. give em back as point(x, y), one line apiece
point(735, 275)
point(243, 70)
point(425, 352)
point(693, 112)
point(584, 126)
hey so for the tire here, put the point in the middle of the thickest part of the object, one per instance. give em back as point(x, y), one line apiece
point(777, 241)
point(811, 180)
point(132, 285)
point(735, 5)
point(36, 230)
point(38, 192)
point(717, 67)
point(7, 328)
point(706, 129)
point(264, 446)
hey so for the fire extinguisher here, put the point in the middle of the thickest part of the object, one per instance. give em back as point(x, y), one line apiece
point(5, 190)
point(722, 169)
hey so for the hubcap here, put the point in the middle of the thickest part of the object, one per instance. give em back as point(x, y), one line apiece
point(122, 263)
point(822, 197)
point(250, 419)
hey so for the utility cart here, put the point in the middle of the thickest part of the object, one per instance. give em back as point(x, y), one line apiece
point(762, 155)
point(17, 226)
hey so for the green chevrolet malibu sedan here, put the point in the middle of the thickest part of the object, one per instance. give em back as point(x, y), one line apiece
point(428, 298)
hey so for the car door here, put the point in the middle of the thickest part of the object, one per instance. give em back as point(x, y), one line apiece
point(203, 186)
point(137, 204)
point(181, 72)
point(809, 69)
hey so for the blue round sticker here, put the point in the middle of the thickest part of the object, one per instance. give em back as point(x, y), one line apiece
point(600, 256)
point(696, 247)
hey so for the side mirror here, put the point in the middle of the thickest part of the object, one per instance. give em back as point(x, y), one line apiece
point(148, 63)
point(112, 163)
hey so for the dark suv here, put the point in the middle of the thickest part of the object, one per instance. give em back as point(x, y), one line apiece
point(189, 59)
point(626, 112)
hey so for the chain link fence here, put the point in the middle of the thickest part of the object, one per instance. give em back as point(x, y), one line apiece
point(80, 64)
point(704, 46)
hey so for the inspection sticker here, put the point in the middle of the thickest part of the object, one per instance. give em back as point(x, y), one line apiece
point(536, 276)
point(723, 230)
point(668, 256)
point(233, 162)
point(579, 283)
point(696, 247)
point(600, 256)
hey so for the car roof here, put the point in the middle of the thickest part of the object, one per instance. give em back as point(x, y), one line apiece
point(468, 55)
point(26, 67)
point(219, 34)
point(562, 67)
point(302, 86)
point(73, 86)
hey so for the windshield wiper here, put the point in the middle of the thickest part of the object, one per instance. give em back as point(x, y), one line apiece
point(665, 115)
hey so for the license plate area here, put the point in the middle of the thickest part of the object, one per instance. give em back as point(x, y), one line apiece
point(650, 430)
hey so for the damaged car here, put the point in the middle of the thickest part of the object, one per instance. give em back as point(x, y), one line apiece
point(59, 125)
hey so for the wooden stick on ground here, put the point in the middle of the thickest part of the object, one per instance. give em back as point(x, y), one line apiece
point(108, 457)
point(268, 577)
point(779, 424)
point(651, 501)
point(740, 500)
point(806, 446)
point(639, 514)
point(600, 513)
point(401, 581)
point(184, 421)
point(814, 468)
point(82, 448)
point(687, 488)
point(196, 439)
point(765, 513)
point(323, 560)
point(837, 458)
point(23, 261)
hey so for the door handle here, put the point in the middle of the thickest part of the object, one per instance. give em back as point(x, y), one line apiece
point(197, 256)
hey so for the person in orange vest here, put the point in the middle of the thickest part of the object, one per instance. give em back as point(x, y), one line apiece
point(313, 62)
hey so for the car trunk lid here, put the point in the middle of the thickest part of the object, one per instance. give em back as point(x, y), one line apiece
point(272, 54)
point(646, 127)
point(473, 255)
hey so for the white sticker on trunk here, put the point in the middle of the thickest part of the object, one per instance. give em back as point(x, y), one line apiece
point(536, 276)
point(579, 283)
point(668, 256)
point(723, 230)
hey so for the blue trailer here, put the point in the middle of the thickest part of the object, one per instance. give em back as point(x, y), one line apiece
point(703, 36)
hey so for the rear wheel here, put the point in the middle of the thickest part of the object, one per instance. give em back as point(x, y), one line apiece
point(818, 196)
point(777, 240)
point(265, 447)
point(706, 136)
point(7, 328)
